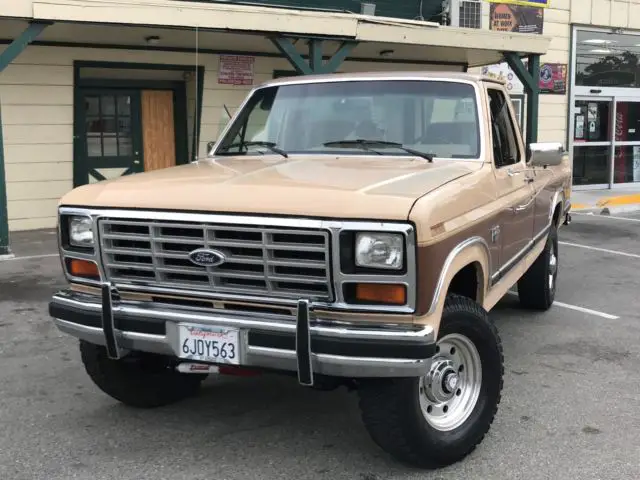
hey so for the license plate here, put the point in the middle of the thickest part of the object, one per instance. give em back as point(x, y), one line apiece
point(209, 344)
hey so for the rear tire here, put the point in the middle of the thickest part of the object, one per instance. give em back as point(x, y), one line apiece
point(139, 380)
point(407, 416)
point(537, 287)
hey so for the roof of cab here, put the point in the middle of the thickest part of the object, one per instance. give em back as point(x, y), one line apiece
point(395, 75)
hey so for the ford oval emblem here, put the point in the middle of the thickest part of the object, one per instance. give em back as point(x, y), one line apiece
point(207, 258)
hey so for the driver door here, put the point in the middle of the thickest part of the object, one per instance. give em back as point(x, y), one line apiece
point(513, 179)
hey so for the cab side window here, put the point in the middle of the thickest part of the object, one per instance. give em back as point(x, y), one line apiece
point(505, 146)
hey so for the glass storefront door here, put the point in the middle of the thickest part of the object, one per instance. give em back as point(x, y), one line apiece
point(592, 141)
point(626, 159)
point(604, 136)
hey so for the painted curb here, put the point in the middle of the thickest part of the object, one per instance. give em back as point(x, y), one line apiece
point(635, 207)
point(619, 200)
point(613, 210)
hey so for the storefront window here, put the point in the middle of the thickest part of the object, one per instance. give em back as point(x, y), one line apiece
point(592, 121)
point(626, 164)
point(591, 165)
point(605, 59)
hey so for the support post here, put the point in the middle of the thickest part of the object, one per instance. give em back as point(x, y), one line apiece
point(533, 102)
point(7, 56)
point(529, 77)
point(315, 63)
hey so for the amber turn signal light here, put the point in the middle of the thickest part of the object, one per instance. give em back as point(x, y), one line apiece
point(393, 294)
point(82, 268)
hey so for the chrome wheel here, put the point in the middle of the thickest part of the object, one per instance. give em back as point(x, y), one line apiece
point(553, 268)
point(450, 391)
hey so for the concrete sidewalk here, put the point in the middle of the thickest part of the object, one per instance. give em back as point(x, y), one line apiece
point(606, 202)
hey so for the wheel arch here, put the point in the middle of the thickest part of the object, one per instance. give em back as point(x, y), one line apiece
point(556, 208)
point(468, 261)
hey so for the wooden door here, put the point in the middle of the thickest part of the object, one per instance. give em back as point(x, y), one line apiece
point(158, 129)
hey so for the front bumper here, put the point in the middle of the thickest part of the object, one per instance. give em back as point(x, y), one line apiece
point(305, 344)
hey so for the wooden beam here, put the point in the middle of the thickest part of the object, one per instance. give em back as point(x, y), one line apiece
point(339, 57)
point(529, 77)
point(15, 48)
point(286, 47)
point(313, 63)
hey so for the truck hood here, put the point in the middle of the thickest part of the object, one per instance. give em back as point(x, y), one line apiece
point(321, 186)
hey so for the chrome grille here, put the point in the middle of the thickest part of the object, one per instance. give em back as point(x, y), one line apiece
point(260, 260)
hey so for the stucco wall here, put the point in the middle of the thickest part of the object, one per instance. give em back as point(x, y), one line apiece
point(606, 13)
point(36, 92)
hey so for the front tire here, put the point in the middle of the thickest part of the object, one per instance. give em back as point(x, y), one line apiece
point(537, 287)
point(139, 380)
point(439, 419)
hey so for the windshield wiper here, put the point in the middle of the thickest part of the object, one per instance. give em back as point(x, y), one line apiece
point(270, 145)
point(364, 144)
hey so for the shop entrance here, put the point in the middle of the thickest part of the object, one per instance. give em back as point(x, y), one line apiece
point(604, 133)
point(605, 141)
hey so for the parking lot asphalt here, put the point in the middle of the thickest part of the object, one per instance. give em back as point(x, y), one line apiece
point(570, 405)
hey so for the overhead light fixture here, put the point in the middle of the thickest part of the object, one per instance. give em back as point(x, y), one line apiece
point(386, 53)
point(598, 41)
point(152, 40)
point(600, 50)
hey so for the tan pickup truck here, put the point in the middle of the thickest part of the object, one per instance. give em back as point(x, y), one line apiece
point(350, 230)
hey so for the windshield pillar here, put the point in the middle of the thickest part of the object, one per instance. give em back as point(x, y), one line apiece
point(313, 62)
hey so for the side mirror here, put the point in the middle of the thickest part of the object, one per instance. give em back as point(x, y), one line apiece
point(545, 154)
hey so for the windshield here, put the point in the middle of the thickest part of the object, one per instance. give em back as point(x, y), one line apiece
point(435, 117)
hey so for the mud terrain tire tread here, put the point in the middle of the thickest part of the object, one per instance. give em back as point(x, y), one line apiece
point(397, 425)
point(126, 381)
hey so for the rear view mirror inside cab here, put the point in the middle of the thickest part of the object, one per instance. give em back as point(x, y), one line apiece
point(267, 101)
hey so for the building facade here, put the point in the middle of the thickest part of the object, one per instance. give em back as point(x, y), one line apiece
point(86, 97)
point(590, 84)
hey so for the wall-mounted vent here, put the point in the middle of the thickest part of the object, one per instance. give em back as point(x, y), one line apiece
point(464, 13)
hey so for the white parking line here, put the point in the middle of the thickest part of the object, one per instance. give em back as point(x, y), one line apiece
point(586, 310)
point(28, 257)
point(608, 316)
point(598, 249)
point(612, 217)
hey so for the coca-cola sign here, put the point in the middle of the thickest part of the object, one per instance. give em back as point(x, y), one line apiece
point(621, 130)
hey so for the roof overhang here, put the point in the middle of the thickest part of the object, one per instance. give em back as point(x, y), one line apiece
point(411, 40)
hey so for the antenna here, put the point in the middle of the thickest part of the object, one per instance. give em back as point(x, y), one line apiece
point(196, 118)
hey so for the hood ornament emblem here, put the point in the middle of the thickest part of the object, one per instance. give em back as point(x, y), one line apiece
point(205, 257)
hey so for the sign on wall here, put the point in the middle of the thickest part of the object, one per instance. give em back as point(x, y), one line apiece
point(236, 70)
point(553, 78)
point(525, 3)
point(515, 18)
point(501, 71)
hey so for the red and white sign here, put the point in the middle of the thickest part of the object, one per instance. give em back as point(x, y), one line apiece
point(236, 70)
point(622, 126)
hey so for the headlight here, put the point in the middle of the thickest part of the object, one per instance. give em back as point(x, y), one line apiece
point(80, 232)
point(380, 250)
